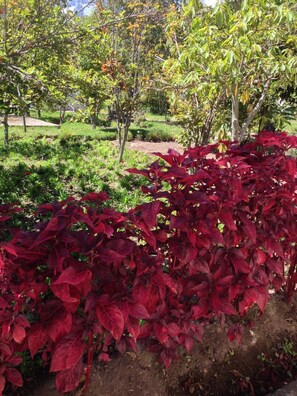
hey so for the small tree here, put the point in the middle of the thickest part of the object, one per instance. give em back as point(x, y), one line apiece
point(36, 37)
point(128, 65)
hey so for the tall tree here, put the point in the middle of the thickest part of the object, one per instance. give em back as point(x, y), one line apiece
point(241, 52)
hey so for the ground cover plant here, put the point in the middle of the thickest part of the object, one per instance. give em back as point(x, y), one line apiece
point(217, 235)
point(36, 170)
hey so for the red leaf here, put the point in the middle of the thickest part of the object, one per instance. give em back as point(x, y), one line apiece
point(96, 197)
point(3, 303)
point(15, 360)
point(189, 343)
point(138, 311)
point(260, 257)
point(252, 296)
point(141, 290)
point(62, 291)
point(37, 338)
point(291, 164)
point(235, 332)
point(67, 353)
point(133, 327)
point(2, 383)
point(111, 318)
point(56, 319)
point(81, 280)
point(19, 333)
point(227, 218)
point(67, 380)
point(149, 213)
point(74, 277)
point(54, 226)
point(249, 227)
point(162, 279)
point(103, 357)
point(4, 349)
point(14, 377)
point(161, 333)
point(116, 250)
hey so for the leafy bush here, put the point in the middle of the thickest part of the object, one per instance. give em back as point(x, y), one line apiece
point(159, 136)
point(219, 232)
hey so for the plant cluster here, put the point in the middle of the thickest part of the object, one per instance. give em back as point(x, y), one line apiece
point(219, 232)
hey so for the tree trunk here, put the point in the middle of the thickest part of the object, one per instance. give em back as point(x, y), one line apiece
point(5, 124)
point(123, 143)
point(94, 121)
point(256, 108)
point(235, 113)
point(62, 115)
point(39, 113)
point(24, 122)
point(110, 114)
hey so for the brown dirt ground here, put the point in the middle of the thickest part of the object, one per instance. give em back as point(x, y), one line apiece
point(30, 122)
point(151, 147)
point(214, 368)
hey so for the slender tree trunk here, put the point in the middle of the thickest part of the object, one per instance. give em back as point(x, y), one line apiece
point(122, 147)
point(39, 113)
point(5, 124)
point(94, 121)
point(24, 122)
point(110, 114)
point(235, 113)
point(119, 132)
point(206, 135)
point(256, 108)
point(62, 115)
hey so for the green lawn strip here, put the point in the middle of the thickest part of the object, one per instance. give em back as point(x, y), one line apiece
point(44, 170)
point(151, 128)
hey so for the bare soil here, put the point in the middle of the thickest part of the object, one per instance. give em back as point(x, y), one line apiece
point(152, 147)
point(217, 367)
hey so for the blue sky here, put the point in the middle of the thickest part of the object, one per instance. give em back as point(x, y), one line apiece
point(77, 4)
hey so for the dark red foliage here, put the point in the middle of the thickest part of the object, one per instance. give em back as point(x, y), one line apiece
point(219, 233)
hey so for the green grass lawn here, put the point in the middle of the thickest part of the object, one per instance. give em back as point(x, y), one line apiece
point(34, 171)
point(47, 163)
point(151, 128)
point(292, 127)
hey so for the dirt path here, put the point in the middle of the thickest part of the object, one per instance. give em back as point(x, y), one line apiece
point(151, 147)
point(30, 122)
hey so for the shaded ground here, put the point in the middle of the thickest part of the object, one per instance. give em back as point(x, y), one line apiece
point(30, 122)
point(215, 368)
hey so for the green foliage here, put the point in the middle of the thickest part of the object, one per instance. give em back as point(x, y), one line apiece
point(43, 170)
point(230, 56)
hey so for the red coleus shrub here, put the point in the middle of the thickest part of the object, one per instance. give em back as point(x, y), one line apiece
point(72, 275)
point(224, 227)
point(219, 231)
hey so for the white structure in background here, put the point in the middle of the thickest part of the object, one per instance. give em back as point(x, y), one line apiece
point(76, 5)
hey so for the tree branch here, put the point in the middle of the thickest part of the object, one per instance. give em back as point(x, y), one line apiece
point(256, 108)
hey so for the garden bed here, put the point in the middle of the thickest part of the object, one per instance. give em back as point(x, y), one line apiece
point(265, 360)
